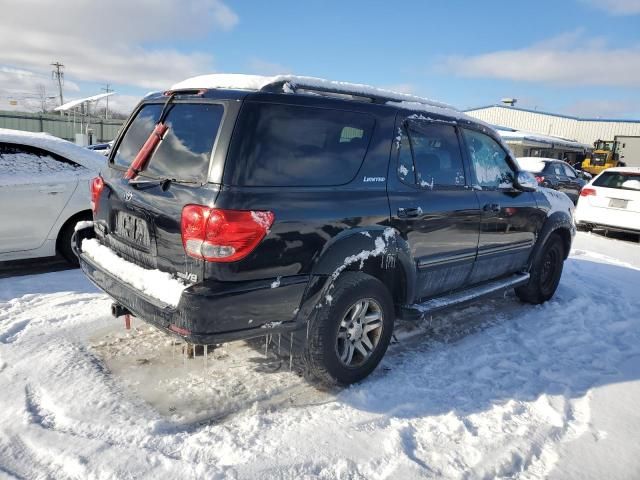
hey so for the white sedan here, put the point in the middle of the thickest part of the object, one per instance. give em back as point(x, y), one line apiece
point(44, 192)
point(611, 201)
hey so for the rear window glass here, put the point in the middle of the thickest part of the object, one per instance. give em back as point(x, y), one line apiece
point(185, 151)
point(624, 180)
point(287, 145)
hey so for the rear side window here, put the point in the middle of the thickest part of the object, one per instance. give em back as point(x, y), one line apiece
point(289, 145)
point(185, 151)
point(624, 180)
point(25, 164)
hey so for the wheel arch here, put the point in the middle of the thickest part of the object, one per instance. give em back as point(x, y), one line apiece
point(73, 219)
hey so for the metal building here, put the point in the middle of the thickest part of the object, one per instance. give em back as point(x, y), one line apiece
point(583, 130)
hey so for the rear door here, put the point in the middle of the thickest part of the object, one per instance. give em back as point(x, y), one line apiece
point(35, 185)
point(432, 204)
point(140, 218)
point(510, 217)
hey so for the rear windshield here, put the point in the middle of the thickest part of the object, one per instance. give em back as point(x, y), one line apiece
point(185, 151)
point(288, 145)
point(624, 180)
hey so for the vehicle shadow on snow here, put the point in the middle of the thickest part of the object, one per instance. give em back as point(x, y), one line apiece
point(466, 361)
point(501, 350)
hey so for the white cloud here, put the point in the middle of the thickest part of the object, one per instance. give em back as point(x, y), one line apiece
point(616, 7)
point(567, 60)
point(109, 41)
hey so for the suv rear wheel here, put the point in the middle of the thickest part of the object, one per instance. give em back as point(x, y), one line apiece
point(349, 337)
point(545, 272)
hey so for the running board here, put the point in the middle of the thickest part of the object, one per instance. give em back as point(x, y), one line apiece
point(420, 310)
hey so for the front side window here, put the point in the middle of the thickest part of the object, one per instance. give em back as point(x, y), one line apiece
point(291, 145)
point(430, 157)
point(489, 163)
point(185, 150)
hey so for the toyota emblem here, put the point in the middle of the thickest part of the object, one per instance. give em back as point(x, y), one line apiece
point(128, 196)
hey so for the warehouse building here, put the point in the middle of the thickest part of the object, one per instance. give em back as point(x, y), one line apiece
point(582, 130)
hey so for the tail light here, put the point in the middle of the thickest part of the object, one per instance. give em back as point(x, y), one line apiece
point(97, 185)
point(218, 235)
point(539, 179)
point(585, 192)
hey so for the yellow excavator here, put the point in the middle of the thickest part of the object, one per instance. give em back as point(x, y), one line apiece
point(604, 156)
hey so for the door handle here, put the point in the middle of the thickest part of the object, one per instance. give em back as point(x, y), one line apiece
point(491, 207)
point(411, 212)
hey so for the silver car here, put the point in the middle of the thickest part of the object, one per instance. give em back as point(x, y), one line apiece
point(44, 192)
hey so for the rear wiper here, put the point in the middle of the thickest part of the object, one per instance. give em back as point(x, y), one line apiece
point(148, 183)
point(142, 158)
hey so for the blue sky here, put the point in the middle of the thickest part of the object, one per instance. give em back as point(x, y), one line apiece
point(578, 57)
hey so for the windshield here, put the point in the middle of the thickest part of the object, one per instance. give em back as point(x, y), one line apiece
point(621, 180)
point(598, 159)
point(185, 150)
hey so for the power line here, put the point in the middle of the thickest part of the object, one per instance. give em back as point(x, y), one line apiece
point(58, 74)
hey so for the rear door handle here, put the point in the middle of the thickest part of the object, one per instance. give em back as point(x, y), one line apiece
point(491, 207)
point(411, 212)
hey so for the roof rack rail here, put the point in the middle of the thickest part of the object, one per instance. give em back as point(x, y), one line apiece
point(343, 89)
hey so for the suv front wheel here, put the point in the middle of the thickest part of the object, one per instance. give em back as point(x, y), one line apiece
point(351, 333)
point(545, 272)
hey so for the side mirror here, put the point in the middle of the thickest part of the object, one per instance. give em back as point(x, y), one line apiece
point(585, 175)
point(526, 181)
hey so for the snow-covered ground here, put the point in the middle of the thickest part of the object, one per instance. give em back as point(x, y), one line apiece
point(498, 389)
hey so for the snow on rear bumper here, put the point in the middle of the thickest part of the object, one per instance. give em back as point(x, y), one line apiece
point(212, 312)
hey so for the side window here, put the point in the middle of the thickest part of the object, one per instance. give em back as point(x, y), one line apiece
point(558, 170)
point(290, 145)
point(569, 171)
point(23, 163)
point(430, 156)
point(489, 162)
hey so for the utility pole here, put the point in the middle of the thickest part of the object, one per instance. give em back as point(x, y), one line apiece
point(58, 75)
point(106, 112)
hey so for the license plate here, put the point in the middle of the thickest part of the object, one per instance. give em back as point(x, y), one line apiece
point(133, 229)
point(618, 203)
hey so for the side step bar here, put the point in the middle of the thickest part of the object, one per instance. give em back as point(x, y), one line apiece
point(468, 295)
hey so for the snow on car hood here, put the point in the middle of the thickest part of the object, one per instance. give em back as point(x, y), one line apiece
point(87, 158)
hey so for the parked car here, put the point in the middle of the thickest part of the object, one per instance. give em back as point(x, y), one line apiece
point(611, 201)
point(238, 206)
point(556, 174)
point(103, 148)
point(44, 192)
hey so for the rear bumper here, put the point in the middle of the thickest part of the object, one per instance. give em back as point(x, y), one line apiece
point(609, 218)
point(208, 312)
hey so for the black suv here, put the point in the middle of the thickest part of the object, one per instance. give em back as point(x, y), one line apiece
point(317, 210)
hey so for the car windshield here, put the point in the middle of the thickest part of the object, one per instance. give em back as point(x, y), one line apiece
point(621, 180)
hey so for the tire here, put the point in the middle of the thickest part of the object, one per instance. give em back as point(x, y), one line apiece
point(63, 243)
point(330, 356)
point(545, 273)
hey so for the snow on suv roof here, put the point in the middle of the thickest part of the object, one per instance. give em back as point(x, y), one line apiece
point(85, 157)
point(289, 83)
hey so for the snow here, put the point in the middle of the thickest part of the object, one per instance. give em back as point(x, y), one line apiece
point(87, 158)
point(160, 285)
point(256, 82)
point(631, 184)
point(520, 135)
point(83, 224)
point(531, 164)
point(25, 169)
point(495, 390)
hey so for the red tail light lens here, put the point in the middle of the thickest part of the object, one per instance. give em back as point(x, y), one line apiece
point(585, 192)
point(539, 178)
point(218, 235)
point(97, 185)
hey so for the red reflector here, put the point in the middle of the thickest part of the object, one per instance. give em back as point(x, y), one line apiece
point(179, 330)
point(585, 192)
point(539, 178)
point(97, 185)
point(142, 158)
point(218, 235)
